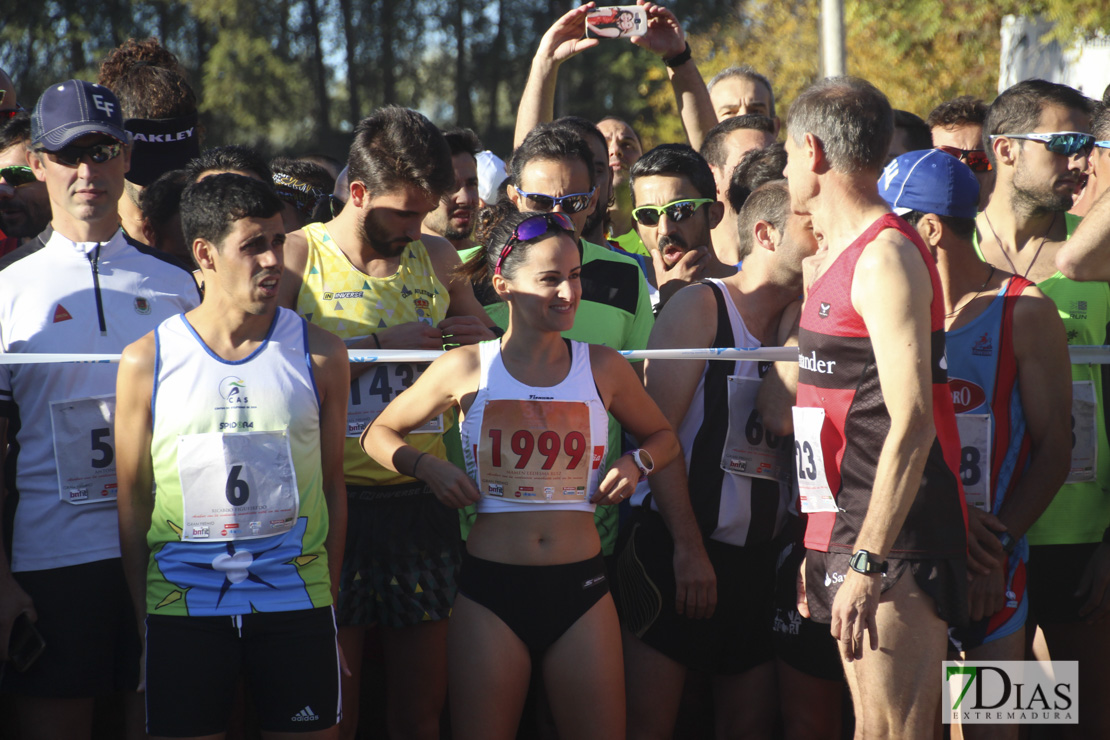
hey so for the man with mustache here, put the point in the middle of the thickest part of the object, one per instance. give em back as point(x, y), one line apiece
point(368, 277)
point(675, 207)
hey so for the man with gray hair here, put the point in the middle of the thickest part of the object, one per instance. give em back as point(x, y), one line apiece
point(741, 91)
point(877, 450)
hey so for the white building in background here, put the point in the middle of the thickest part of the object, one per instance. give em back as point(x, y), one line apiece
point(1085, 65)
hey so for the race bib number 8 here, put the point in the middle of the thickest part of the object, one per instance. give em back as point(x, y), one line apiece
point(813, 485)
point(236, 486)
point(84, 449)
point(536, 451)
point(975, 458)
point(372, 391)
point(750, 449)
point(1084, 432)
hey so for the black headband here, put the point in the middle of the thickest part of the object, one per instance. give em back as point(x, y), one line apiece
point(161, 145)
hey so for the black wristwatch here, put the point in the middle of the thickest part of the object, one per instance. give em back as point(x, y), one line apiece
point(862, 562)
point(679, 59)
point(1008, 542)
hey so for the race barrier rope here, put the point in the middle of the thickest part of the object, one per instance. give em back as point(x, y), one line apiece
point(1080, 355)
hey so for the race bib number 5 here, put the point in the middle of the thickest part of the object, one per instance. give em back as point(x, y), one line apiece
point(236, 486)
point(372, 391)
point(536, 451)
point(813, 486)
point(84, 449)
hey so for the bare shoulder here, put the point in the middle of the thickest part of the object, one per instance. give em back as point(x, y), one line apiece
point(606, 359)
point(139, 356)
point(323, 344)
point(294, 258)
point(1036, 314)
point(442, 252)
point(687, 320)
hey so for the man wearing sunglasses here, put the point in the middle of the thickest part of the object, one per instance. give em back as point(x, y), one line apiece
point(696, 571)
point(1038, 139)
point(675, 210)
point(1086, 256)
point(957, 128)
point(24, 204)
point(81, 287)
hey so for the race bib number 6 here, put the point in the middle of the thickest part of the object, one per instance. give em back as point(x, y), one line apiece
point(536, 451)
point(372, 391)
point(750, 449)
point(813, 486)
point(236, 486)
point(84, 449)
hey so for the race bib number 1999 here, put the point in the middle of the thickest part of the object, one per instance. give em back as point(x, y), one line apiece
point(536, 451)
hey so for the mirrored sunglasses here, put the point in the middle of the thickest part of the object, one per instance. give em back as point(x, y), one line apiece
point(1066, 143)
point(572, 203)
point(72, 155)
point(976, 159)
point(676, 210)
point(534, 227)
point(17, 175)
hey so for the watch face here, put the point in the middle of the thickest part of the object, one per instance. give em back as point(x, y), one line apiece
point(646, 461)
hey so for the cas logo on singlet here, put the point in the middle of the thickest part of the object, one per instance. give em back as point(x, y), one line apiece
point(233, 390)
point(1030, 692)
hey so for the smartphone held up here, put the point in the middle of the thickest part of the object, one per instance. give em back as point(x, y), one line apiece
point(616, 21)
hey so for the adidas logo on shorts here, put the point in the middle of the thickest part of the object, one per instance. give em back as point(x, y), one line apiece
point(305, 715)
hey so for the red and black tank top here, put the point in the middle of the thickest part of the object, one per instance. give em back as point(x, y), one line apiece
point(838, 373)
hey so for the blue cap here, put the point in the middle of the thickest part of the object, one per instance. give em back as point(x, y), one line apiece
point(930, 181)
point(72, 109)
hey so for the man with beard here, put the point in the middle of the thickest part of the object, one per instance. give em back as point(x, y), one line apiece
point(1085, 256)
point(696, 569)
point(1036, 135)
point(675, 208)
point(367, 277)
point(453, 219)
point(24, 203)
